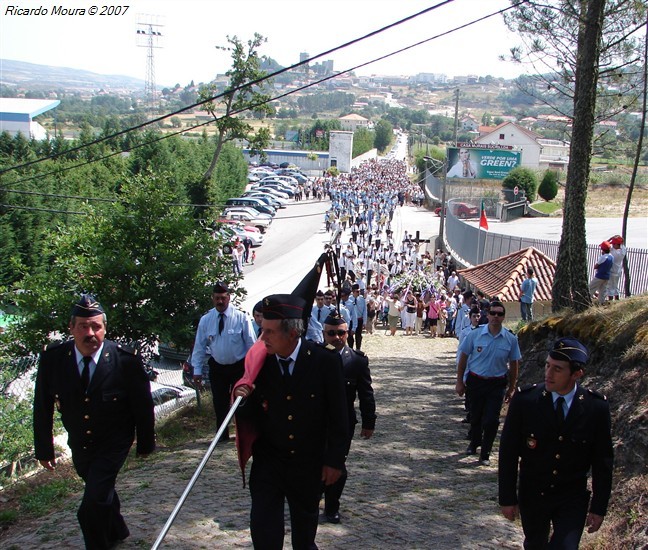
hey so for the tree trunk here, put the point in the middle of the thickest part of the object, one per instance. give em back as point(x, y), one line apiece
point(633, 179)
point(570, 288)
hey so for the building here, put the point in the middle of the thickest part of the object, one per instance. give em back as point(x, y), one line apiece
point(537, 153)
point(352, 122)
point(17, 116)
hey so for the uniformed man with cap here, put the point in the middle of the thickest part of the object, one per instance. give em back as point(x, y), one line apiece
point(297, 407)
point(357, 378)
point(557, 431)
point(224, 336)
point(104, 398)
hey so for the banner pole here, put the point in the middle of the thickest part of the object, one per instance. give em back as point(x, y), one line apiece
point(197, 473)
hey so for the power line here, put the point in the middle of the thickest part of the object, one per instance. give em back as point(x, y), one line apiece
point(275, 98)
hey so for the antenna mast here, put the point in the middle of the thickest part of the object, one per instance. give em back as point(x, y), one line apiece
point(148, 36)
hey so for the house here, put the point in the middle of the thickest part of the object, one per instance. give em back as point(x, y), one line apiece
point(469, 123)
point(537, 152)
point(352, 122)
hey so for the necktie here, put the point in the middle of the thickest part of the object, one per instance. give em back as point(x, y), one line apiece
point(85, 373)
point(285, 367)
point(221, 323)
point(560, 411)
point(319, 313)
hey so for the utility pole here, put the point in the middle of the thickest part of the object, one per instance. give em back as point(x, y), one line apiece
point(456, 117)
point(148, 36)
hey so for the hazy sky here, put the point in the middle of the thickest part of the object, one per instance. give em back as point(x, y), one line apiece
point(191, 30)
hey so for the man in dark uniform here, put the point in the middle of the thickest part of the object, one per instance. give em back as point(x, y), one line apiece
point(104, 397)
point(558, 431)
point(357, 378)
point(297, 405)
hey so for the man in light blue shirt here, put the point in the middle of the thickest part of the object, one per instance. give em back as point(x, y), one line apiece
point(360, 306)
point(316, 321)
point(492, 355)
point(526, 295)
point(224, 336)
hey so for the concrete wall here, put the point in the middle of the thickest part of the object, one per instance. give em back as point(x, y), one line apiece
point(340, 149)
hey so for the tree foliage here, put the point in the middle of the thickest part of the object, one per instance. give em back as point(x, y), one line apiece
point(241, 95)
point(384, 134)
point(523, 178)
point(147, 261)
point(363, 141)
point(548, 188)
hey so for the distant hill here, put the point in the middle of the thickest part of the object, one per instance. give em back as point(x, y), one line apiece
point(30, 76)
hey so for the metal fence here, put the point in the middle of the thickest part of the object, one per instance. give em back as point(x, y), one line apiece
point(470, 246)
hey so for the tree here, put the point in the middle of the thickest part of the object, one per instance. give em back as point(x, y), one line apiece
point(384, 133)
point(570, 287)
point(363, 141)
point(148, 262)
point(239, 96)
point(549, 186)
point(523, 178)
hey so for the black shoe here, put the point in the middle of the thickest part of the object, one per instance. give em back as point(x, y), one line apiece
point(333, 518)
point(471, 450)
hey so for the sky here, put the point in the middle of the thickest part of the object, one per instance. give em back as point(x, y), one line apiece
point(192, 30)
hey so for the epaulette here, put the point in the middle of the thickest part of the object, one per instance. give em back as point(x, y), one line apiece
point(126, 349)
point(528, 387)
point(597, 394)
point(360, 353)
point(53, 345)
point(329, 347)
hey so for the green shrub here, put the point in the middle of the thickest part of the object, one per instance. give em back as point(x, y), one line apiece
point(549, 186)
point(523, 178)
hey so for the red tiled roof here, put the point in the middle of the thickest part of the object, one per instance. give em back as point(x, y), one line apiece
point(503, 277)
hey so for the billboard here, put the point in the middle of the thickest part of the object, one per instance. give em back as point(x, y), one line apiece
point(477, 163)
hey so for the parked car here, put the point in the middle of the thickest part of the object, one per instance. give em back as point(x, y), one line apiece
point(276, 185)
point(251, 202)
point(240, 215)
point(277, 192)
point(269, 198)
point(461, 210)
point(167, 397)
point(288, 181)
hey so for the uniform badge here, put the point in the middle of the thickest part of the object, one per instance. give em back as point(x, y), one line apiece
point(531, 442)
point(479, 349)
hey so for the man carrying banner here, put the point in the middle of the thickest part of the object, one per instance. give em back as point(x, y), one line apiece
point(296, 406)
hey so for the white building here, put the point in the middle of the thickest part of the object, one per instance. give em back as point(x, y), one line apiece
point(352, 122)
point(537, 153)
point(17, 114)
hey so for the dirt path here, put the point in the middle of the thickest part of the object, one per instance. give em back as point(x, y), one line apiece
point(409, 487)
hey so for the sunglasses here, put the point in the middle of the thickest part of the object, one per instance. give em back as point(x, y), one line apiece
point(496, 313)
point(336, 332)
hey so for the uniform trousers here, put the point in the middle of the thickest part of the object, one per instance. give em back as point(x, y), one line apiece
point(485, 398)
point(567, 512)
point(99, 513)
point(222, 379)
point(355, 335)
point(332, 493)
point(272, 482)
